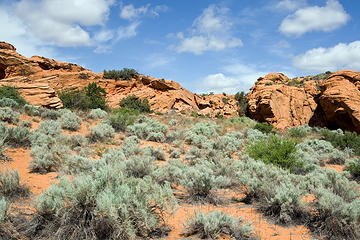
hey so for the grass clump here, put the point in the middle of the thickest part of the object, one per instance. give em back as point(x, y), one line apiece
point(70, 120)
point(104, 204)
point(148, 129)
point(50, 114)
point(264, 127)
point(123, 117)
point(12, 93)
point(98, 113)
point(10, 186)
point(211, 225)
point(124, 74)
point(90, 97)
point(133, 102)
point(275, 150)
point(8, 115)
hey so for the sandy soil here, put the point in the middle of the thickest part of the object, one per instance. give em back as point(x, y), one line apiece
point(262, 227)
point(21, 159)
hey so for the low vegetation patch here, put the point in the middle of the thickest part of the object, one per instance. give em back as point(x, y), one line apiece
point(122, 117)
point(124, 74)
point(275, 150)
point(211, 225)
point(343, 140)
point(264, 127)
point(10, 186)
point(133, 102)
point(90, 97)
point(12, 93)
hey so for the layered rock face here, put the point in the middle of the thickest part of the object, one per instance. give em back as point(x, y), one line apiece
point(38, 79)
point(333, 102)
point(272, 101)
point(340, 100)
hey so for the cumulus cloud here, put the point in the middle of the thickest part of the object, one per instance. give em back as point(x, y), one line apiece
point(13, 30)
point(128, 31)
point(290, 5)
point(233, 78)
point(60, 22)
point(211, 31)
point(130, 12)
point(315, 18)
point(341, 56)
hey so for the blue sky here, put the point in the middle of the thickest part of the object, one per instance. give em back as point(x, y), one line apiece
point(220, 46)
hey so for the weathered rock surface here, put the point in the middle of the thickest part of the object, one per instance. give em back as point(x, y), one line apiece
point(340, 100)
point(38, 79)
point(272, 101)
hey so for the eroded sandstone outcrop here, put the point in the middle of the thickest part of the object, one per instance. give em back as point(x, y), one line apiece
point(271, 100)
point(340, 100)
point(38, 79)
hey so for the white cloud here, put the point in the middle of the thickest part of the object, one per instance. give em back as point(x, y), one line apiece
point(129, 12)
point(60, 22)
point(128, 31)
point(290, 5)
point(341, 56)
point(234, 78)
point(104, 35)
point(12, 30)
point(211, 31)
point(158, 60)
point(315, 18)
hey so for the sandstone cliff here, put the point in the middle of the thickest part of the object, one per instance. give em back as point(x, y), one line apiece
point(38, 79)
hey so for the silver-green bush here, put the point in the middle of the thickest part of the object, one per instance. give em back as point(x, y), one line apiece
point(8, 102)
point(8, 115)
point(101, 132)
point(70, 121)
point(148, 129)
point(209, 226)
point(97, 114)
point(10, 186)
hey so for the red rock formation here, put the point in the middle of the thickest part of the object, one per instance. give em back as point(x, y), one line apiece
point(37, 79)
point(340, 100)
point(272, 101)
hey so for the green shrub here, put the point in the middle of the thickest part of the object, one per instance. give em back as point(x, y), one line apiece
point(300, 131)
point(130, 146)
point(241, 98)
point(139, 166)
point(155, 153)
point(97, 114)
point(8, 115)
point(148, 129)
point(275, 150)
point(343, 140)
point(4, 208)
point(8, 102)
point(174, 153)
point(200, 133)
point(31, 110)
point(90, 97)
point(103, 204)
point(209, 226)
point(264, 127)
point(47, 158)
point(353, 166)
point(123, 117)
point(77, 140)
point(49, 127)
point(70, 121)
point(51, 114)
point(200, 183)
point(142, 105)
point(240, 122)
point(77, 164)
point(12, 93)
point(10, 186)
point(18, 136)
point(124, 74)
point(101, 132)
